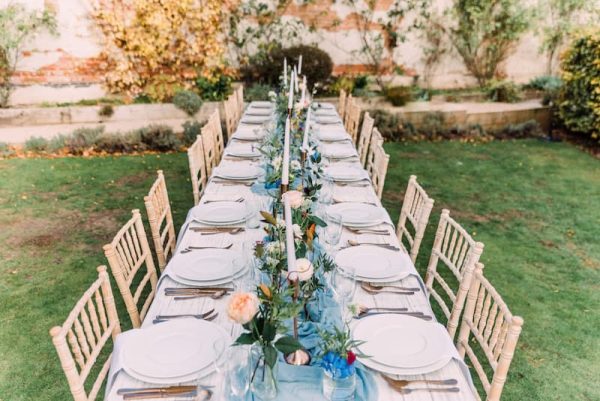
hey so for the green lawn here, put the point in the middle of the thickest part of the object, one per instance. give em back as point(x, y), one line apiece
point(535, 205)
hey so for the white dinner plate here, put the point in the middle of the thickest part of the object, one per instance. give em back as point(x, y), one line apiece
point(255, 120)
point(172, 350)
point(326, 112)
point(402, 342)
point(219, 213)
point(257, 111)
point(373, 263)
point(325, 106)
point(242, 150)
point(214, 283)
point(205, 264)
point(339, 151)
point(345, 173)
point(261, 104)
point(235, 172)
point(358, 214)
point(327, 120)
point(333, 135)
point(250, 133)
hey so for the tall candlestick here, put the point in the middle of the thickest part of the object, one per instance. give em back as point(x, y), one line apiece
point(303, 98)
point(300, 65)
point(291, 94)
point(306, 124)
point(289, 238)
point(285, 169)
point(295, 79)
point(285, 72)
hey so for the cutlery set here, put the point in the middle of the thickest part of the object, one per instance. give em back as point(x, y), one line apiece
point(185, 293)
point(191, 248)
point(380, 244)
point(401, 385)
point(217, 230)
point(208, 316)
point(198, 393)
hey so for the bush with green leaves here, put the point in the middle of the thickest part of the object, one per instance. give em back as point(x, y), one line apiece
point(549, 85)
point(119, 143)
point(191, 130)
point(215, 89)
point(503, 91)
point(267, 68)
point(579, 102)
point(106, 111)
point(398, 95)
point(36, 144)
point(159, 137)
point(6, 150)
point(188, 101)
point(257, 92)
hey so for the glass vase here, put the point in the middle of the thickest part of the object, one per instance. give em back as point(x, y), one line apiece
point(338, 389)
point(263, 383)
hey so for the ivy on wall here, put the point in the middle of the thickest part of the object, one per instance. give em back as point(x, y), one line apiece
point(157, 47)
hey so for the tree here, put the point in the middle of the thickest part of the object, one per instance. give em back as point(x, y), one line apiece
point(485, 32)
point(558, 20)
point(17, 27)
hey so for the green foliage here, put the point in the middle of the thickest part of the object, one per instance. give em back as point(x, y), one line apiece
point(579, 103)
point(119, 143)
point(106, 111)
point(6, 150)
point(257, 92)
point(17, 27)
point(398, 95)
point(502, 91)
point(159, 137)
point(187, 101)
point(550, 85)
point(214, 89)
point(191, 130)
point(267, 68)
point(36, 144)
point(339, 341)
point(485, 33)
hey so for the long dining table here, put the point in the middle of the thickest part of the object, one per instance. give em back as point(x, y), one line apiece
point(219, 190)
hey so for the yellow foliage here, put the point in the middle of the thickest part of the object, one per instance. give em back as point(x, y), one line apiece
point(158, 46)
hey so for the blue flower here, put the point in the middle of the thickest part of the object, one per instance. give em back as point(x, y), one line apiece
point(337, 366)
point(273, 185)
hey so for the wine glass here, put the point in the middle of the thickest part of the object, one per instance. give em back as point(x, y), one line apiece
point(238, 370)
point(326, 193)
point(333, 231)
point(252, 220)
point(219, 348)
point(343, 284)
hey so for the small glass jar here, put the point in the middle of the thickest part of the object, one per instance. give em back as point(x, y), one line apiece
point(338, 389)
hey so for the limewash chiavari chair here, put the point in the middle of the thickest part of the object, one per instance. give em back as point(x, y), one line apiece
point(376, 139)
point(159, 214)
point(239, 93)
point(215, 122)
point(208, 143)
point(342, 105)
point(81, 339)
point(460, 253)
point(197, 168)
point(127, 254)
point(416, 208)
point(495, 329)
point(347, 109)
point(230, 107)
point(377, 168)
point(365, 136)
point(354, 120)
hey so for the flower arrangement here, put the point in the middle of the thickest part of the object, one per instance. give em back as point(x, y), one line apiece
point(337, 357)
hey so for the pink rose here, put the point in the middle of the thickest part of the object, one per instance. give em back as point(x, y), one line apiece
point(242, 307)
point(295, 198)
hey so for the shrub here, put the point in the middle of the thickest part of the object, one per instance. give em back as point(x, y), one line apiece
point(158, 137)
point(191, 130)
point(106, 111)
point(82, 139)
point(214, 89)
point(387, 123)
point(6, 150)
point(187, 101)
point(257, 92)
point(579, 102)
point(316, 65)
point(398, 95)
point(119, 143)
point(527, 129)
point(544, 83)
point(36, 144)
point(503, 91)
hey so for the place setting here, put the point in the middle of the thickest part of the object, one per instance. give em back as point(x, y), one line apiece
point(245, 133)
point(249, 119)
point(333, 134)
point(235, 174)
point(339, 151)
point(242, 151)
point(340, 173)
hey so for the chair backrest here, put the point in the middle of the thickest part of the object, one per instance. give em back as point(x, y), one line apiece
point(460, 253)
point(208, 143)
point(197, 168)
point(82, 337)
point(342, 104)
point(239, 92)
point(495, 329)
point(348, 109)
point(215, 122)
point(365, 137)
point(416, 208)
point(230, 108)
point(354, 120)
point(160, 219)
point(377, 169)
point(128, 254)
point(376, 139)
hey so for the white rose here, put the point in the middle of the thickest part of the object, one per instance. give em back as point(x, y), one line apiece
point(304, 269)
point(295, 165)
point(277, 163)
point(297, 231)
point(295, 198)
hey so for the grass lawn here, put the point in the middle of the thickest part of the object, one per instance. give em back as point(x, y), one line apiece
point(535, 205)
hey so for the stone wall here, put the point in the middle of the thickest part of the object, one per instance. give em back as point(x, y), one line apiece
point(63, 68)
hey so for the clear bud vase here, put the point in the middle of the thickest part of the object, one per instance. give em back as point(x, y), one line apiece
point(263, 383)
point(338, 389)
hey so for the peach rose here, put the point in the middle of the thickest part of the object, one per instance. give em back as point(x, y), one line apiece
point(295, 198)
point(242, 307)
point(304, 269)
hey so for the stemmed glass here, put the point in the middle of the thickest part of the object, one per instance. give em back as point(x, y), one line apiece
point(238, 370)
point(343, 284)
point(333, 230)
point(326, 193)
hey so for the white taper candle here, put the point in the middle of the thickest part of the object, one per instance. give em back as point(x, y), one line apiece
point(285, 169)
point(300, 65)
point(289, 238)
point(285, 72)
point(306, 124)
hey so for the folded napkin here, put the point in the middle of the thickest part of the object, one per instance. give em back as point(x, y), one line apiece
point(322, 105)
point(337, 150)
point(261, 104)
point(326, 112)
point(254, 120)
point(354, 194)
point(242, 150)
point(327, 120)
point(257, 111)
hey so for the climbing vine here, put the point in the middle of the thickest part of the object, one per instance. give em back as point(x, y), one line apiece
point(156, 47)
